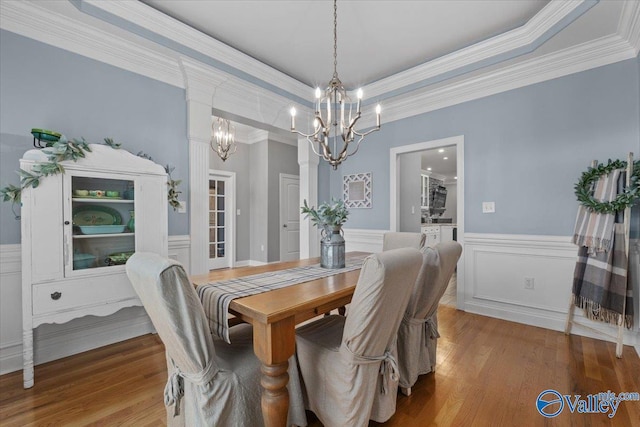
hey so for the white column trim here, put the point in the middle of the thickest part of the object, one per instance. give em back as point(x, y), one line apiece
point(308, 161)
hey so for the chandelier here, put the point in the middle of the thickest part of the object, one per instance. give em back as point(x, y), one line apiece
point(334, 115)
point(223, 139)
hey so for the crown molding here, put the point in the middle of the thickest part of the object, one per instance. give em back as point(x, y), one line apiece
point(525, 39)
point(201, 81)
point(597, 53)
point(222, 91)
point(156, 22)
point(288, 139)
point(629, 25)
point(212, 86)
point(257, 135)
point(30, 19)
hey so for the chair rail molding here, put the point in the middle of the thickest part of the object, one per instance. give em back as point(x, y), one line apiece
point(76, 336)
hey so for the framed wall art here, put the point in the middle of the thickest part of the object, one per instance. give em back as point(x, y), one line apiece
point(356, 190)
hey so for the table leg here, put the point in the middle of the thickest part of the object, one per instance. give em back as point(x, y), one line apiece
point(274, 344)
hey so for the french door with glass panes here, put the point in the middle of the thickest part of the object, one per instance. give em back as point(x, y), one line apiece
point(220, 227)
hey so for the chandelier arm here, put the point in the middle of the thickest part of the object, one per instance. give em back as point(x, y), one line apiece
point(363, 134)
point(354, 120)
point(357, 145)
point(313, 148)
point(326, 150)
point(310, 135)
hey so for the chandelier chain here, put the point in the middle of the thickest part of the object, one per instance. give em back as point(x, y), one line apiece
point(335, 38)
point(335, 117)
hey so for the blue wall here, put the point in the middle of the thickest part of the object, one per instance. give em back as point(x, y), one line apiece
point(50, 88)
point(524, 149)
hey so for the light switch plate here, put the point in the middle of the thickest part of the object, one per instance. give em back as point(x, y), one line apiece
point(488, 207)
point(183, 207)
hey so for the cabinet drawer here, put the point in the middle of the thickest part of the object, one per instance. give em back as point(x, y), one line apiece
point(434, 229)
point(72, 294)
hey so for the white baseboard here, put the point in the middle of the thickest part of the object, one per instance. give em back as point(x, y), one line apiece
point(249, 263)
point(57, 341)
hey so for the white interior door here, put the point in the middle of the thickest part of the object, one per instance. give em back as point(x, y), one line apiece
point(289, 217)
point(221, 231)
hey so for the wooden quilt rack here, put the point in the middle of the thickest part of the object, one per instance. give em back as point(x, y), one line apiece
point(627, 223)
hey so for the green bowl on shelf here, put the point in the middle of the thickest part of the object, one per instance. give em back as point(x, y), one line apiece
point(82, 261)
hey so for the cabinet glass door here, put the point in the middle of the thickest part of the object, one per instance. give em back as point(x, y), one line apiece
point(102, 223)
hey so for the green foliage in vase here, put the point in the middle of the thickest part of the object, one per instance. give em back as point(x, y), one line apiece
point(329, 214)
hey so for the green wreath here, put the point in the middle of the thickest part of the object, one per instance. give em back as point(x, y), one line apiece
point(584, 188)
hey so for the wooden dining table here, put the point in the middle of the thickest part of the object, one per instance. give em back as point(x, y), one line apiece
point(274, 315)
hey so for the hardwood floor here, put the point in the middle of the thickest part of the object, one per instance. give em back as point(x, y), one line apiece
point(489, 373)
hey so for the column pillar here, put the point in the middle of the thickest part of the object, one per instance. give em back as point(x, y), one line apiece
point(308, 161)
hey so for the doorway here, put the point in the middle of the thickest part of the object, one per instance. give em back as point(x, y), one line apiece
point(289, 217)
point(394, 193)
point(221, 219)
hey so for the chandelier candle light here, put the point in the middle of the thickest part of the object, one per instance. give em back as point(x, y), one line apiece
point(223, 139)
point(334, 115)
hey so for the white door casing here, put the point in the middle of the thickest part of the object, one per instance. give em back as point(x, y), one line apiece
point(289, 217)
point(458, 142)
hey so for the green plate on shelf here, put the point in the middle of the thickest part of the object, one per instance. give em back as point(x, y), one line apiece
point(96, 215)
point(118, 258)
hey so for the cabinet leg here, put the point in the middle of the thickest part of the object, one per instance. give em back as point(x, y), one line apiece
point(27, 358)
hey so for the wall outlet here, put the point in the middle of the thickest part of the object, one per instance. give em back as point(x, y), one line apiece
point(529, 283)
point(488, 207)
point(262, 248)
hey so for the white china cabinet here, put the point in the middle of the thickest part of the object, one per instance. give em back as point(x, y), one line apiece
point(78, 230)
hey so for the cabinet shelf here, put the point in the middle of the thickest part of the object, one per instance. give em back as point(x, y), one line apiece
point(100, 200)
point(93, 236)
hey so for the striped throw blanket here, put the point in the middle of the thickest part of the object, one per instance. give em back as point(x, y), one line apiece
point(594, 230)
point(600, 284)
point(217, 296)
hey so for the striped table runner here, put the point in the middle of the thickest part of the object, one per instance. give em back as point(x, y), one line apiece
point(216, 296)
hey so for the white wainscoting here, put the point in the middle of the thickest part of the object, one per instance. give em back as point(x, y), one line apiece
point(363, 240)
point(496, 266)
point(56, 341)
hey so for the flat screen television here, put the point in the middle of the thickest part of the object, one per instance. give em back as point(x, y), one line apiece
point(438, 197)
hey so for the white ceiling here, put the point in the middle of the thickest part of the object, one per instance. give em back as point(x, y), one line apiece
point(435, 159)
point(376, 39)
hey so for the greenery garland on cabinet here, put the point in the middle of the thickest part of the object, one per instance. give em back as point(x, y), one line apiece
point(75, 149)
point(584, 188)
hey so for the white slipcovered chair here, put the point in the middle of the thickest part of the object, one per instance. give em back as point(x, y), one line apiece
point(401, 239)
point(348, 365)
point(418, 332)
point(210, 382)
